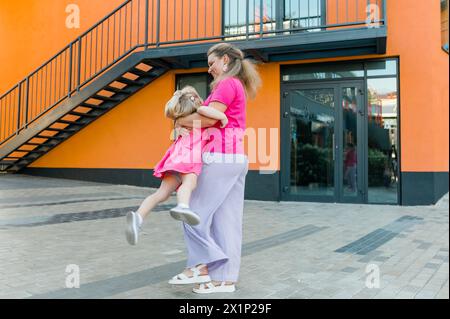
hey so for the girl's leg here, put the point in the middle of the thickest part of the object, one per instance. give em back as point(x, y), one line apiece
point(188, 184)
point(182, 211)
point(135, 219)
point(168, 185)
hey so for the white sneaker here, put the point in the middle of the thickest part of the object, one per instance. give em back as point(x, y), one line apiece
point(133, 227)
point(185, 215)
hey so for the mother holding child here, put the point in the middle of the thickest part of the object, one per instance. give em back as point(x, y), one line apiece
point(207, 167)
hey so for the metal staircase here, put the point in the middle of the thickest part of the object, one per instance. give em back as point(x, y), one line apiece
point(57, 126)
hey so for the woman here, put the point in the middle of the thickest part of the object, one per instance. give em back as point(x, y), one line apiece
point(214, 246)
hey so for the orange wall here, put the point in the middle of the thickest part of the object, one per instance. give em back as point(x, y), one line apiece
point(415, 35)
point(32, 31)
point(133, 135)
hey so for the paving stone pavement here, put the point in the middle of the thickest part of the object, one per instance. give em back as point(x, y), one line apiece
point(53, 229)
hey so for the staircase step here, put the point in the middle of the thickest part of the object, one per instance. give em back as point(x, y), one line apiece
point(33, 144)
point(69, 122)
point(61, 130)
point(48, 145)
point(103, 98)
point(141, 73)
point(52, 137)
point(116, 90)
point(82, 114)
point(37, 152)
point(31, 151)
point(7, 162)
point(129, 82)
point(40, 145)
point(93, 106)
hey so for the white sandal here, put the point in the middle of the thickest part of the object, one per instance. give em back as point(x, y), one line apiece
point(209, 288)
point(182, 279)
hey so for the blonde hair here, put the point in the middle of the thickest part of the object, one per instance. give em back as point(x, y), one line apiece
point(239, 67)
point(183, 102)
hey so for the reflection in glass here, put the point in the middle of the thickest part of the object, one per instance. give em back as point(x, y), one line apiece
point(312, 136)
point(299, 14)
point(302, 14)
point(444, 24)
point(198, 81)
point(350, 172)
point(235, 17)
point(321, 72)
point(377, 68)
point(383, 140)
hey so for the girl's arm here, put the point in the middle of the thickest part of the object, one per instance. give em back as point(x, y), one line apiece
point(188, 121)
point(213, 114)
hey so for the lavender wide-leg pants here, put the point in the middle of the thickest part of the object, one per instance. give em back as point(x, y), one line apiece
point(219, 201)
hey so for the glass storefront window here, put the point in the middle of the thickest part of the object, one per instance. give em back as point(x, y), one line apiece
point(199, 81)
point(292, 14)
point(444, 24)
point(383, 170)
point(302, 14)
point(380, 68)
point(312, 134)
point(322, 72)
point(235, 16)
point(372, 135)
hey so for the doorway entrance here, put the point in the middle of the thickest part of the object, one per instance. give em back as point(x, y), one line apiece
point(324, 148)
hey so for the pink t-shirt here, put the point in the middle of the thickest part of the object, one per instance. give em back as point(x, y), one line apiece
point(229, 139)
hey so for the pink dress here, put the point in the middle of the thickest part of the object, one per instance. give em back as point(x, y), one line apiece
point(184, 155)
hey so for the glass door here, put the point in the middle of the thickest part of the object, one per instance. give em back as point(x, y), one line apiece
point(309, 143)
point(322, 142)
point(351, 147)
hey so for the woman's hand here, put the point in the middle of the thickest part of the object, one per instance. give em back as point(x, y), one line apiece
point(224, 122)
point(179, 131)
point(183, 131)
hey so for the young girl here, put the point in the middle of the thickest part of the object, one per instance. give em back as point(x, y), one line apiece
point(180, 166)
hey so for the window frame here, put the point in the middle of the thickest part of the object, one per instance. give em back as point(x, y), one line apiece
point(444, 6)
point(209, 80)
point(366, 77)
point(280, 17)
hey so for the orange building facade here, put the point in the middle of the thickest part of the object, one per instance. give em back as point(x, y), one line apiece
point(353, 108)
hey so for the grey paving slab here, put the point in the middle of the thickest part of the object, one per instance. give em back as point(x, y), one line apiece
point(26, 182)
point(290, 249)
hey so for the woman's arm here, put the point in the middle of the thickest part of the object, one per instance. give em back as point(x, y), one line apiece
point(213, 114)
point(188, 121)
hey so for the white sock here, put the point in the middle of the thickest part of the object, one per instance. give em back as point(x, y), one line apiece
point(183, 205)
point(140, 220)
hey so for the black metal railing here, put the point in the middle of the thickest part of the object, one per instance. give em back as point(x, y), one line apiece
point(146, 24)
